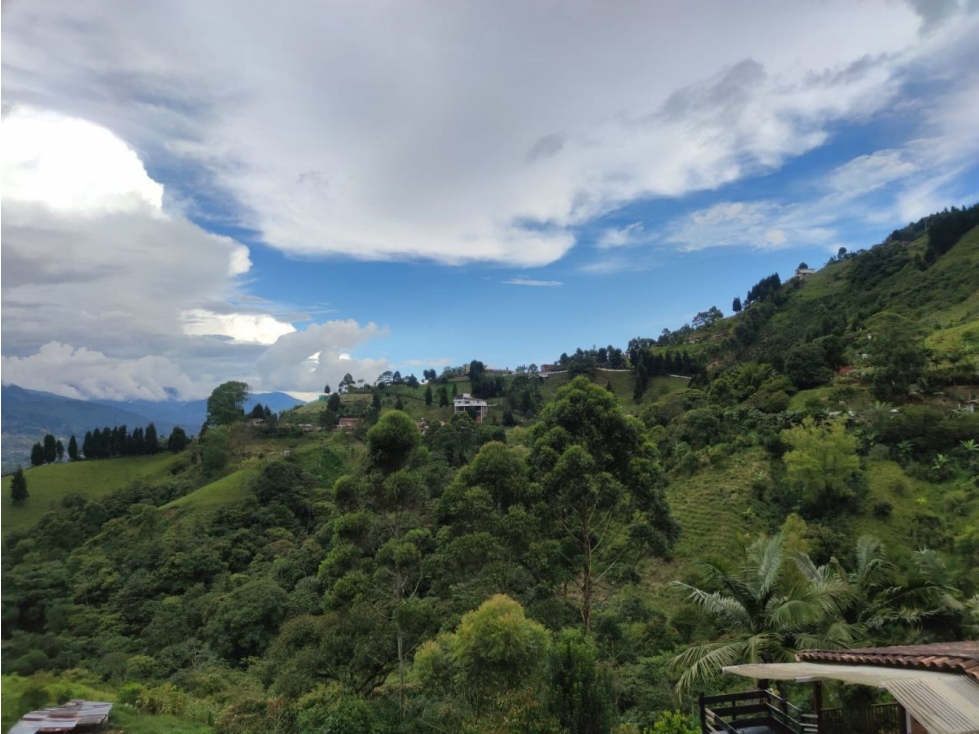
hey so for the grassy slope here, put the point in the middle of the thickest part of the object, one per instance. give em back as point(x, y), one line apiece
point(49, 484)
point(122, 717)
point(713, 505)
point(221, 492)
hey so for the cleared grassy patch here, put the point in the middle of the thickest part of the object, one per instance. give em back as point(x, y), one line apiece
point(136, 722)
point(58, 690)
point(798, 401)
point(49, 484)
point(222, 492)
point(713, 506)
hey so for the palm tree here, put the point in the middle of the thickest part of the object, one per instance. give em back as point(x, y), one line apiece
point(971, 449)
point(763, 618)
point(941, 467)
point(876, 608)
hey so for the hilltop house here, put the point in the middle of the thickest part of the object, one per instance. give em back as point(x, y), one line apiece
point(802, 273)
point(466, 403)
point(935, 690)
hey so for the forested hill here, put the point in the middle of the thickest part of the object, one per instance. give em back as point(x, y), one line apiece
point(907, 289)
point(803, 473)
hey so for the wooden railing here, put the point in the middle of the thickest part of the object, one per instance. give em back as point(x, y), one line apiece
point(730, 712)
point(881, 718)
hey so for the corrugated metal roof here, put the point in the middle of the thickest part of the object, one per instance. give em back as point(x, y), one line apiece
point(942, 706)
point(63, 718)
point(945, 703)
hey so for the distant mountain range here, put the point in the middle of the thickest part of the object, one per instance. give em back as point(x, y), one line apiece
point(29, 414)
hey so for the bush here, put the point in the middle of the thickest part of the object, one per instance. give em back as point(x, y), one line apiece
point(330, 710)
point(673, 722)
point(130, 693)
point(34, 696)
point(882, 510)
point(141, 667)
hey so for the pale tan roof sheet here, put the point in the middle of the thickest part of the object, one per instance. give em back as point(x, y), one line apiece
point(944, 703)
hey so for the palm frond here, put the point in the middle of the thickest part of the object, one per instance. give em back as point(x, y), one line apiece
point(768, 555)
point(730, 612)
point(704, 662)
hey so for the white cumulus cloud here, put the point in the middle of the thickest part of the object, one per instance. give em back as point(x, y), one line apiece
point(491, 131)
point(240, 327)
point(318, 355)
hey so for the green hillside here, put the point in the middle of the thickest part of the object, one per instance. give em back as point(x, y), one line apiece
point(221, 492)
point(281, 576)
point(50, 484)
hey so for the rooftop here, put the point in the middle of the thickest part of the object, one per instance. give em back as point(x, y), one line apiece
point(948, 657)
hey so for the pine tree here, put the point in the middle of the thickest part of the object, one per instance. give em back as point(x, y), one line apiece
point(50, 449)
point(59, 450)
point(428, 395)
point(443, 397)
point(37, 454)
point(18, 487)
point(72, 449)
point(736, 304)
point(136, 445)
point(178, 440)
point(151, 442)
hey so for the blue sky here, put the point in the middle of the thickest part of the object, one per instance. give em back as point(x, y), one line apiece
point(196, 192)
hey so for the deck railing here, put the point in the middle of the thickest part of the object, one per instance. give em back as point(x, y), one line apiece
point(881, 718)
point(730, 712)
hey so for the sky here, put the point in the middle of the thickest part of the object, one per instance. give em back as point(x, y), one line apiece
point(194, 192)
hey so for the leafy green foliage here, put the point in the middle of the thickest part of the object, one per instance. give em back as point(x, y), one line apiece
point(822, 465)
point(483, 579)
point(604, 487)
point(215, 449)
point(763, 619)
point(495, 653)
point(898, 356)
point(805, 366)
point(226, 403)
point(244, 621)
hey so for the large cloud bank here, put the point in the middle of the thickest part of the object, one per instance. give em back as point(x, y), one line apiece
point(469, 131)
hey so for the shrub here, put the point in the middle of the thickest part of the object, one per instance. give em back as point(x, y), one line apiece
point(130, 693)
point(673, 722)
point(34, 696)
point(882, 510)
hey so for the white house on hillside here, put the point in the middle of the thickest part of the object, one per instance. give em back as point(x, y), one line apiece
point(466, 403)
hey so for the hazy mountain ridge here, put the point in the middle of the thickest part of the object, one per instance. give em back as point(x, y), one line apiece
point(29, 414)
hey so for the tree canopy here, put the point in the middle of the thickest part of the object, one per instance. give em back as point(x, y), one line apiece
point(226, 403)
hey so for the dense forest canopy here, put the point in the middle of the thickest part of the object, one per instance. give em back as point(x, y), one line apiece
point(803, 473)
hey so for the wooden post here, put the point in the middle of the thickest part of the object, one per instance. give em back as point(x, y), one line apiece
point(703, 715)
point(817, 703)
